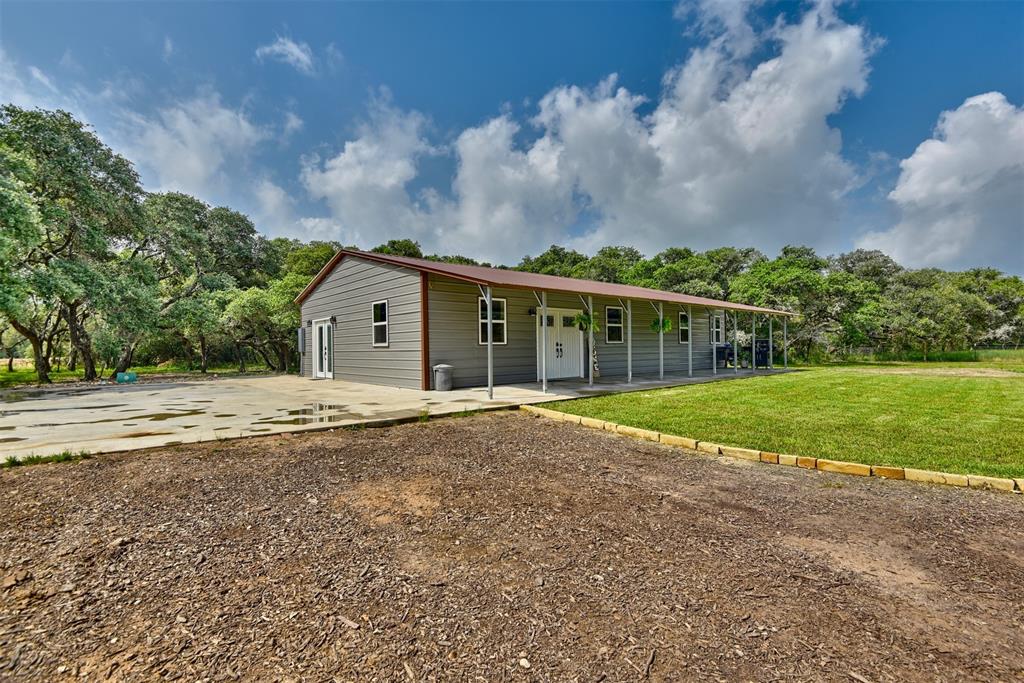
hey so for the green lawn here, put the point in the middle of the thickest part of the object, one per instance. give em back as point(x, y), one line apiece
point(948, 417)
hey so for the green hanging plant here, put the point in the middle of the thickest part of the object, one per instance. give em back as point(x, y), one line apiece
point(584, 321)
point(662, 325)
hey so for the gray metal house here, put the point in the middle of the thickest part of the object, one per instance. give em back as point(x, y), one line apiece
point(385, 319)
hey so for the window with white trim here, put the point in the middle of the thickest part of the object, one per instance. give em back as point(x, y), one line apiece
point(717, 329)
point(684, 328)
point(498, 320)
point(613, 329)
point(380, 323)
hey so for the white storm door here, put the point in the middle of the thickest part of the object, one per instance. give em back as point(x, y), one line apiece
point(564, 344)
point(323, 356)
point(571, 338)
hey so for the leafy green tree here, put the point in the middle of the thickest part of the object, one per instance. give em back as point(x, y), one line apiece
point(87, 199)
point(236, 249)
point(265, 320)
point(868, 264)
point(684, 271)
point(308, 259)
point(555, 261)
point(403, 247)
point(457, 259)
point(609, 264)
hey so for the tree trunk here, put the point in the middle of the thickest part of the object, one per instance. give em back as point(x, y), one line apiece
point(204, 354)
point(282, 357)
point(240, 352)
point(40, 358)
point(42, 350)
point(80, 341)
point(73, 360)
point(266, 358)
point(124, 361)
point(10, 360)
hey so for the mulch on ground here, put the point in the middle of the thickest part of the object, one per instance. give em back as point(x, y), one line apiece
point(497, 547)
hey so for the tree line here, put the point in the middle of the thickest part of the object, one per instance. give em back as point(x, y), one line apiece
point(98, 273)
point(860, 300)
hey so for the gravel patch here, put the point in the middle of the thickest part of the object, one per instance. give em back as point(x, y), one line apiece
point(497, 547)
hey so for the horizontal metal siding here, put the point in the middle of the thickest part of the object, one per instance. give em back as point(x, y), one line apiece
point(611, 358)
point(454, 338)
point(348, 294)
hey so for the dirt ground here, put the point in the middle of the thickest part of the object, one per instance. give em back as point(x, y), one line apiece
point(498, 547)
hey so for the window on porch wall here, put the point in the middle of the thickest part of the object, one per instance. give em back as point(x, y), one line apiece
point(717, 329)
point(498, 308)
point(613, 325)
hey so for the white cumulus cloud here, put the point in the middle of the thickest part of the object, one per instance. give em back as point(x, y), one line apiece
point(298, 55)
point(364, 185)
point(730, 153)
point(194, 146)
point(961, 193)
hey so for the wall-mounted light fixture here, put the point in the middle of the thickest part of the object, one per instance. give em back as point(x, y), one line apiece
point(334, 319)
point(532, 312)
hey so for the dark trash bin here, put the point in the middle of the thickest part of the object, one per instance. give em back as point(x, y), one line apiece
point(761, 350)
point(724, 355)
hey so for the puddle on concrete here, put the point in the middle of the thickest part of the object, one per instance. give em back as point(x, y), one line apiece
point(160, 417)
point(152, 417)
point(102, 406)
point(265, 429)
point(9, 439)
point(6, 429)
point(225, 415)
point(138, 435)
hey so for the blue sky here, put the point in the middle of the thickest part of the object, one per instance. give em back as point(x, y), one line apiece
point(492, 129)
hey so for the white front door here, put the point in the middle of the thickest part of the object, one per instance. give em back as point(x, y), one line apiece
point(564, 352)
point(323, 349)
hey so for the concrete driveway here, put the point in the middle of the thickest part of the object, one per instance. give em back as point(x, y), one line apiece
point(124, 417)
point(107, 418)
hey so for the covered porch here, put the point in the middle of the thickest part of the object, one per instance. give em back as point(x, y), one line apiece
point(721, 349)
point(581, 388)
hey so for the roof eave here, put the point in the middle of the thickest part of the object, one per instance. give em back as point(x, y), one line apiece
point(426, 267)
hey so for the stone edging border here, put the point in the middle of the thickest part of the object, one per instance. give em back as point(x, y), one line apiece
point(837, 466)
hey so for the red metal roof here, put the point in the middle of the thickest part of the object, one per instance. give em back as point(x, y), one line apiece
point(516, 279)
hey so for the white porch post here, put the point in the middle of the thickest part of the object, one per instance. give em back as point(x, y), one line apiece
point(590, 343)
point(661, 340)
point(689, 340)
point(753, 346)
point(544, 342)
point(771, 347)
point(735, 343)
point(490, 346)
point(629, 341)
point(785, 343)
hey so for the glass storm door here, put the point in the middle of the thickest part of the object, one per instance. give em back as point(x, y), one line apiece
point(323, 333)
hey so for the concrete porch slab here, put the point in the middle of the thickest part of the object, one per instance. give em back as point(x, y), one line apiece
point(110, 418)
